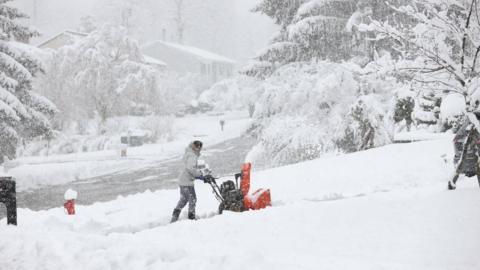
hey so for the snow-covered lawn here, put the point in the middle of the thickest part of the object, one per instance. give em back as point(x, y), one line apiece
point(386, 208)
point(421, 135)
point(33, 172)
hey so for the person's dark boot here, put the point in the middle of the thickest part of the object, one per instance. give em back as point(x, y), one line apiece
point(451, 185)
point(175, 215)
point(191, 215)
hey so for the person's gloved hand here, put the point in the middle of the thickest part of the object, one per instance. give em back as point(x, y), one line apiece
point(201, 177)
point(208, 179)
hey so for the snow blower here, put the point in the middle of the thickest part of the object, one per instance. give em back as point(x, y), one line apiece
point(234, 197)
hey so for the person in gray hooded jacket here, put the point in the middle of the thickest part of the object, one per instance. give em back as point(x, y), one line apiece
point(186, 178)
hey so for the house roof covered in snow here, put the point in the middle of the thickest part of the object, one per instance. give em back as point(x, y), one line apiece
point(197, 52)
point(65, 37)
point(152, 60)
point(62, 37)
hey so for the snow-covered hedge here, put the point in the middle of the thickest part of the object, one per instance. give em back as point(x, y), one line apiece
point(63, 144)
point(159, 129)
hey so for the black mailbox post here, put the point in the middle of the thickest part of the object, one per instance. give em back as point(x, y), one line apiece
point(9, 198)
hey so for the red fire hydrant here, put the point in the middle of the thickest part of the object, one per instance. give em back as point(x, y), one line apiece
point(70, 207)
point(70, 197)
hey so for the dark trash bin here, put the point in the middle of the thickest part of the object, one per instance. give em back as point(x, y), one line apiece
point(9, 198)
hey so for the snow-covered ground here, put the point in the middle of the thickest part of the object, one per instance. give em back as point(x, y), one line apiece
point(34, 172)
point(421, 135)
point(385, 208)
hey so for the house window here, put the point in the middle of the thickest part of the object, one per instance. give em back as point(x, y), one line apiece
point(214, 69)
point(220, 70)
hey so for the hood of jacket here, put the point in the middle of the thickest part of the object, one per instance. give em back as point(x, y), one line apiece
point(190, 149)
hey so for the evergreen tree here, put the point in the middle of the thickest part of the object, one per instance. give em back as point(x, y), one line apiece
point(319, 29)
point(281, 50)
point(365, 46)
point(282, 11)
point(310, 29)
point(23, 113)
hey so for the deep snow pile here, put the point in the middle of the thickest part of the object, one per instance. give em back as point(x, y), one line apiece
point(385, 208)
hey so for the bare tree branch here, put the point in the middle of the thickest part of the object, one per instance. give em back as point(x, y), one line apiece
point(435, 81)
point(464, 40)
point(475, 59)
point(429, 54)
point(423, 69)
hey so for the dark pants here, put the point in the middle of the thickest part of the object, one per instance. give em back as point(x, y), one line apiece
point(187, 194)
point(455, 178)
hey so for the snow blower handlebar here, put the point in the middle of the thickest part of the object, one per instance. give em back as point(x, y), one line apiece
point(209, 179)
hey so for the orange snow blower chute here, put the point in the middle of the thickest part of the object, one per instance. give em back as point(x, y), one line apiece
point(258, 199)
point(234, 196)
point(245, 178)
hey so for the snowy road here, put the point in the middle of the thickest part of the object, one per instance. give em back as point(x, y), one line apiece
point(224, 158)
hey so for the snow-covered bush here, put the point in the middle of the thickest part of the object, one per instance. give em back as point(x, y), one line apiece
point(300, 110)
point(452, 110)
point(404, 106)
point(310, 109)
point(287, 140)
point(367, 125)
point(427, 110)
point(232, 94)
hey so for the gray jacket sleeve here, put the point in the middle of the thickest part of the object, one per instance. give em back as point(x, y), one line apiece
point(191, 166)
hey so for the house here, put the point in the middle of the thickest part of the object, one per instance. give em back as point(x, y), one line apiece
point(67, 37)
point(187, 59)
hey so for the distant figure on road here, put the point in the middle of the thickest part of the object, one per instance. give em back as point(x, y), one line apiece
point(189, 173)
point(222, 124)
